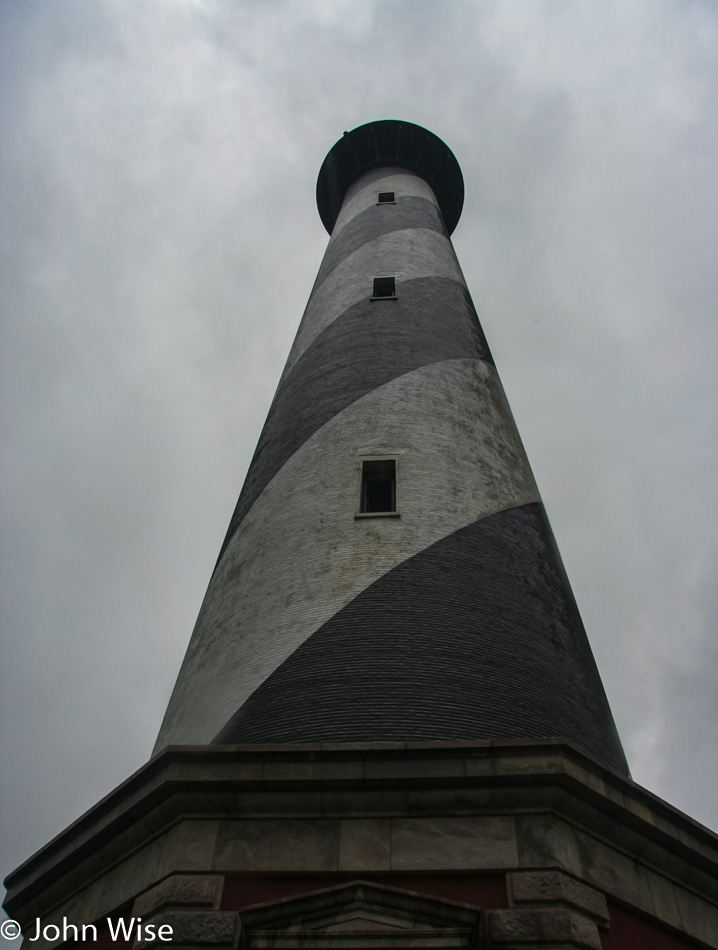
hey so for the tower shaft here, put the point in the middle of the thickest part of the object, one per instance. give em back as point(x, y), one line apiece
point(447, 615)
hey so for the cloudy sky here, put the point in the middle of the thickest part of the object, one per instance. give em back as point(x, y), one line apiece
point(158, 160)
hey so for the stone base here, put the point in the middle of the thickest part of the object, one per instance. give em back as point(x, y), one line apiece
point(457, 845)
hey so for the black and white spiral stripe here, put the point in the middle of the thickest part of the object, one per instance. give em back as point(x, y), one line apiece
point(452, 621)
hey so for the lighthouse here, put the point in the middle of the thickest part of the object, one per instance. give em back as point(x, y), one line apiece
point(389, 573)
point(388, 730)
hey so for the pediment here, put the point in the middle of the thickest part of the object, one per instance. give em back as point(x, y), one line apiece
point(360, 914)
point(358, 917)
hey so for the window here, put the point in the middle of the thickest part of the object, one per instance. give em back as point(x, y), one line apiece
point(384, 288)
point(378, 486)
point(386, 198)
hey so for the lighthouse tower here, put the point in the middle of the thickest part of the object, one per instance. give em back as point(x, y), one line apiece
point(389, 573)
point(388, 730)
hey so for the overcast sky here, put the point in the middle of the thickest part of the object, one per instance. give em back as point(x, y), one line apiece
point(159, 242)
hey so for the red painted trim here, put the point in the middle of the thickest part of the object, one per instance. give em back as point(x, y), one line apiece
point(484, 889)
point(631, 930)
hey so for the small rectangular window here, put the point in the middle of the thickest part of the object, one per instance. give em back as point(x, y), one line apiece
point(378, 486)
point(386, 198)
point(384, 288)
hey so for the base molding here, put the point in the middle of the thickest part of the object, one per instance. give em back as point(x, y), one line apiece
point(533, 927)
point(546, 846)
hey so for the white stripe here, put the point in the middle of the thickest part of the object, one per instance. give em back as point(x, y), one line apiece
point(407, 254)
point(361, 196)
point(299, 555)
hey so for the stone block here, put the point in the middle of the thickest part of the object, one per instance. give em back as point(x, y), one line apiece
point(640, 809)
point(423, 770)
point(585, 776)
point(121, 883)
point(449, 801)
point(527, 927)
point(546, 841)
point(280, 845)
point(441, 843)
point(555, 887)
point(188, 846)
point(364, 803)
point(199, 928)
point(365, 845)
point(270, 802)
point(480, 766)
point(313, 771)
point(700, 918)
point(246, 845)
point(664, 899)
point(531, 764)
point(613, 872)
point(183, 889)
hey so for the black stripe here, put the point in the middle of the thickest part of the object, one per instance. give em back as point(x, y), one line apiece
point(408, 212)
point(476, 637)
point(432, 320)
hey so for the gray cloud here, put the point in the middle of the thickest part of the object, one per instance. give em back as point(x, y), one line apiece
point(159, 243)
